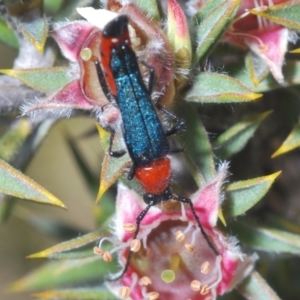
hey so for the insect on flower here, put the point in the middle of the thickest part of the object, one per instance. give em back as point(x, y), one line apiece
point(146, 141)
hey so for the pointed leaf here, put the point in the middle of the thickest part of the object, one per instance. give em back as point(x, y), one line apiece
point(291, 73)
point(7, 35)
point(207, 8)
point(60, 273)
point(150, 10)
point(112, 168)
point(69, 245)
point(35, 31)
point(236, 137)
point(11, 142)
point(45, 80)
point(257, 68)
point(295, 51)
point(291, 142)
point(77, 293)
point(213, 25)
point(267, 239)
point(255, 287)
point(218, 88)
point(242, 195)
point(14, 183)
point(196, 145)
point(286, 14)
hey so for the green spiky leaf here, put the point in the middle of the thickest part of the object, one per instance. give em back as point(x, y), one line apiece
point(255, 287)
point(213, 25)
point(267, 239)
point(70, 272)
point(291, 142)
point(236, 137)
point(218, 88)
point(14, 183)
point(7, 35)
point(45, 80)
point(77, 294)
point(285, 14)
point(196, 145)
point(243, 195)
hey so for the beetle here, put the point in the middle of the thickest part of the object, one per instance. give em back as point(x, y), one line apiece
point(146, 141)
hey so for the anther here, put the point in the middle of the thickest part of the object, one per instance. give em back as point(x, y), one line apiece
point(195, 285)
point(179, 236)
point(129, 227)
point(153, 295)
point(86, 54)
point(205, 267)
point(189, 247)
point(263, 48)
point(107, 256)
point(145, 281)
point(98, 251)
point(204, 290)
point(135, 245)
point(124, 292)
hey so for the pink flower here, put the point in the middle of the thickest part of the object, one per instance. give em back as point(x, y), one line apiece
point(265, 38)
point(171, 259)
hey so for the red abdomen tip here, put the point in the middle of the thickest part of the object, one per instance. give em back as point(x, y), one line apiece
point(156, 176)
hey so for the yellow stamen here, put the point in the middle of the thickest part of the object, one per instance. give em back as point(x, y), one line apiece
point(153, 295)
point(179, 236)
point(98, 251)
point(204, 290)
point(205, 267)
point(124, 292)
point(195, 285)
point(129, 227)
point(189, 247)
point(135, 245)
point(107, 256)
point(145, 280)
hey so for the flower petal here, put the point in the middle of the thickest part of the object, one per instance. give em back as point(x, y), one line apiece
point(70, 37)
point(207, 200)
point(271, 46)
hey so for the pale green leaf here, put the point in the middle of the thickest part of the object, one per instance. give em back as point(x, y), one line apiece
point(61, 273)
point(13, 139)
point(286, 14)
point(77, 293)
point(112, 168)
point(291, 73)
point(236, 137)
point(218, 88)
point(291, 142)
point(14, 183)
point(7, 35)
point(69, 245)
point(267, 239)
point(255, 287)
point(35, 31)
point(196, 145)
point(45, 80)
point(150, 10)
point(213, 25)
point(242, 195)
point(256, 67)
